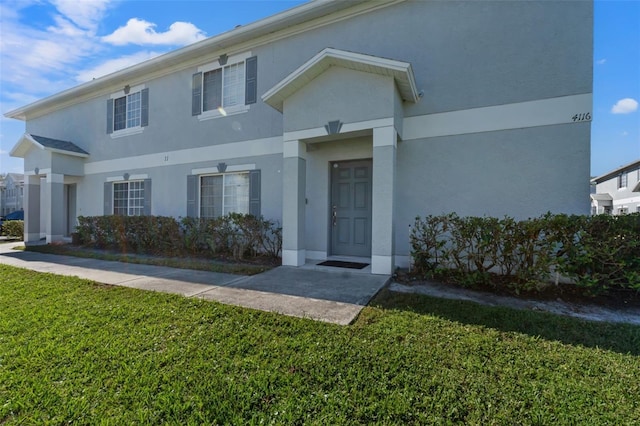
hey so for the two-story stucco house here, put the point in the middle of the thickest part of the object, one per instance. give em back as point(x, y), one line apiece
point(11, 193)
point(618, 191)
point(342, 120)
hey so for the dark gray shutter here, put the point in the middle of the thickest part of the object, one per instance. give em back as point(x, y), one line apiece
point(110, 116)
point(251, 83)
point(254, 192)
point(196, 94)
point(108, 196)
point(147, 197)
point(144, 109)
point(192, 194)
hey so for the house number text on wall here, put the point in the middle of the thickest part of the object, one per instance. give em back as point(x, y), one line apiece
point(585, 116)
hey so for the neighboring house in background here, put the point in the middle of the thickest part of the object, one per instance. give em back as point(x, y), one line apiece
point(11, 193)
point(342, 120)
point(618, 191)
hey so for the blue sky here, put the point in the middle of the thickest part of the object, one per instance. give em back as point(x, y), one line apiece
point(50, 45)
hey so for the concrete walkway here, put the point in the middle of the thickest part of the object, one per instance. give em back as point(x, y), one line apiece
point(333, 295)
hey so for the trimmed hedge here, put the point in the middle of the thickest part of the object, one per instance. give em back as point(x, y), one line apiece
point(595, 252)
point(13, 229)
point(235, 235)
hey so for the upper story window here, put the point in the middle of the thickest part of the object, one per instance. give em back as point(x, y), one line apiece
point(128, 111)
point(227, 86)
point(622, 180)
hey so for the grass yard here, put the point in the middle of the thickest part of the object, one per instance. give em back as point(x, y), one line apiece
point(73, 351)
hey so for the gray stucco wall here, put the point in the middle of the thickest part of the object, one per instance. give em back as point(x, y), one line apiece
point(521, 173)
point(169, 187)
point(340, 94)
point(464, 54)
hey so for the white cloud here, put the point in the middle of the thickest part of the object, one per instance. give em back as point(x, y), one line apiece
point(625, 133)
point(625, 106)
point(601, 61)
point(114, 65)
point(84, 14)
point(138, 31)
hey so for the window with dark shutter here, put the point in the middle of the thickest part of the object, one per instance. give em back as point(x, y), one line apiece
point(225, 87)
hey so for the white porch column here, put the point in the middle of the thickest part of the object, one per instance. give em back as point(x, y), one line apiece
point(54, 195)
point(294, 203)
point(383, 200)
point(31, 202)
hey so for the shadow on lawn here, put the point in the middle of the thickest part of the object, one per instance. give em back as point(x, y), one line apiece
point(622, 338)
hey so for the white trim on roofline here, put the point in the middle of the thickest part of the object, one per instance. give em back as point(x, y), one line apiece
point(400, 71)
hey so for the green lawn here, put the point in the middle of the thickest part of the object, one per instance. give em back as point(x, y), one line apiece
point(72, 351)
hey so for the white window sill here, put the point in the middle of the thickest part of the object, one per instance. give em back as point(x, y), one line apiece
point(219, 113)
point(127, 132)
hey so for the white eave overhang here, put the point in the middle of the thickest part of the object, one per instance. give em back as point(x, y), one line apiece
point(615, 172)
point(289, 22)
point(329, 57)
point(27, 141)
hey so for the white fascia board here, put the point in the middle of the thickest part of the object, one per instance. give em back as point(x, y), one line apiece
point(401, 71)
point(20, 148)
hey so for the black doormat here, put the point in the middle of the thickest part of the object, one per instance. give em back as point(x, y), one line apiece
point(341, 264)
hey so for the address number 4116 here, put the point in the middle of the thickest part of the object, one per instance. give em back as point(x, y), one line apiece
point(585, 116)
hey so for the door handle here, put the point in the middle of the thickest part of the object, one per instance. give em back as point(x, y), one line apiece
point(334, 216)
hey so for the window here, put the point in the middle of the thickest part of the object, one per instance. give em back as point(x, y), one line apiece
point(227, 86)
point(224, 194)
point(223, 87)
point(622, 180)
point(128, 198)
point(128, 111)
point(216, 193)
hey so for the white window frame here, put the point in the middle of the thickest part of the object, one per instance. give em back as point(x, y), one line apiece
point(200, 178)
point(127, 130)
point(224, 111)
point(129, 208)
point(623, 180)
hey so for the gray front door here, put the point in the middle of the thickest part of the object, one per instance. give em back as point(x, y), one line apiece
point(351, 208)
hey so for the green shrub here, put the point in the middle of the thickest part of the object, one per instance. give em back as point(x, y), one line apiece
point(140, 234)
point(234, 235)
point(597, 253)
point(13, 229)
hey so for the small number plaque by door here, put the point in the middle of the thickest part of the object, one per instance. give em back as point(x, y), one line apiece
point(585, 116)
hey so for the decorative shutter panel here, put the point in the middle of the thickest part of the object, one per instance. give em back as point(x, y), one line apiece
point(144, 108)
point(254, 192)
point(147, 197)
point(251, 83)
point(192, 193)
point(110, 116)
point(196, 93)
point(108, 188)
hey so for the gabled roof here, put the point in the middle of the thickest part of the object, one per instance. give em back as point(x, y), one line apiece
point(290, 22)
point(47, 144)
point(601, 197)
point(615, 172)
point(400, 71)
